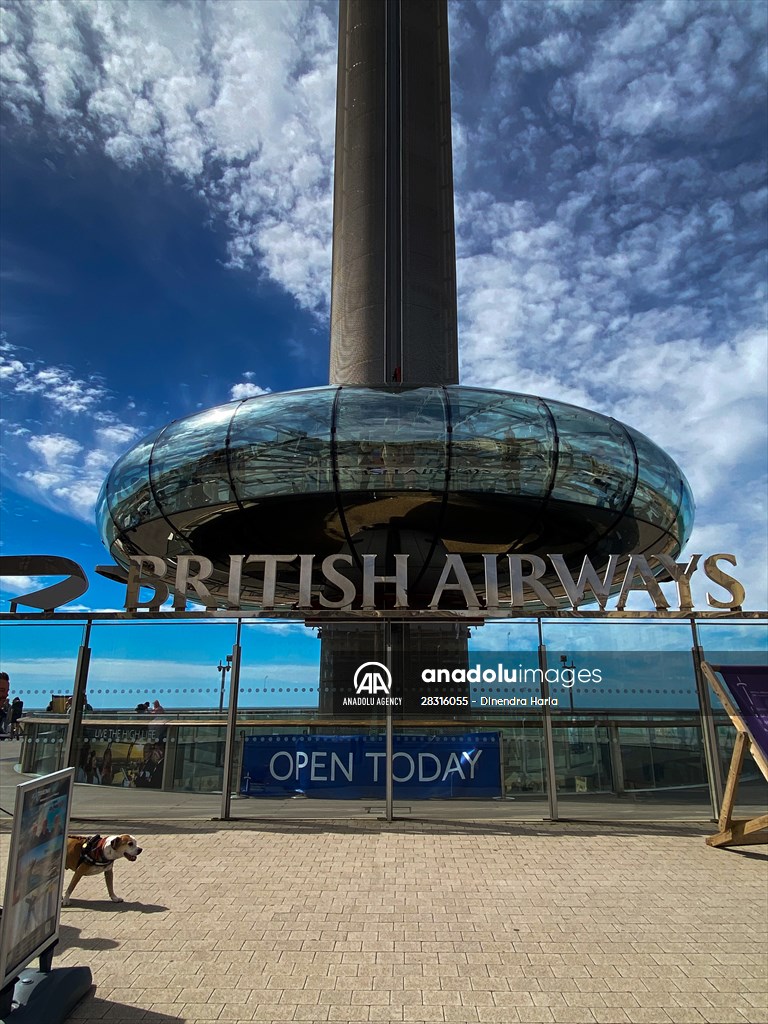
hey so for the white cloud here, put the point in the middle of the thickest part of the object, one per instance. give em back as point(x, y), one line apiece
point(69, 473)
point(246, 389)
point(72, 439)
point(58, 385)
point(20, 584)
point(54, 449)
point(237, 97)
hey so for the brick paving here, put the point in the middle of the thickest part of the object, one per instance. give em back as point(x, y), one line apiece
point(368, 921)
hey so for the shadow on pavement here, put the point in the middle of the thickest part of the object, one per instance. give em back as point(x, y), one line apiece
point(94, 1009)
point(69, 938)
point(114, 908)
point(436, 826)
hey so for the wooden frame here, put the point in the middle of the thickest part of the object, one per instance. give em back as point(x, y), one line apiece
point(742, 831)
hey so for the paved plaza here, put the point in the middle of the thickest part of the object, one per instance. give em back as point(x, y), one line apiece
point(412, 921)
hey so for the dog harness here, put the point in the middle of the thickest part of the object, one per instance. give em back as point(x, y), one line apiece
point(92, 852)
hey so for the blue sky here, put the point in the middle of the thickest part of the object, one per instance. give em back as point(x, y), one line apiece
point(166, 195)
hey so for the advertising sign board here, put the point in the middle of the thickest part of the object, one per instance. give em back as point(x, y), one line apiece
point(748, 685)
point(125, 755)
point(351, 767)
point(30, 919)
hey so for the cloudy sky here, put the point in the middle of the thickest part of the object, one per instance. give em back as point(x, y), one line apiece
point(166, 193)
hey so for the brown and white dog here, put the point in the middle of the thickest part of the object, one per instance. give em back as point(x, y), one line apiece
point(92, 855)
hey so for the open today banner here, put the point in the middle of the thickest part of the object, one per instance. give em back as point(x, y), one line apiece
point(350, 767)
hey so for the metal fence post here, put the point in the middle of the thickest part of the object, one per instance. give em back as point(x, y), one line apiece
point(75, 725)
point(389, 743)
point(229, 745)
point(549, 740)
point(708, 731)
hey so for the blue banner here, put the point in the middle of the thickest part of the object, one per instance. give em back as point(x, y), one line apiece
point(350, 767)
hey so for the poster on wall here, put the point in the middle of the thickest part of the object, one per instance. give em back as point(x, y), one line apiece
point(748, 685)
point(30, 918)
point(351, 767)
point(122, 756)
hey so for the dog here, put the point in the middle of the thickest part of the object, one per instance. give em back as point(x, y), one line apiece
point(92, 855)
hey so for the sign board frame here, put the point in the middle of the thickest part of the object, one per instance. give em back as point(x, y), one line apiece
point(42, 809)
point(731, 831)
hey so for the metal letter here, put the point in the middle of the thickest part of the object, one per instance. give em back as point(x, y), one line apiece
point(305, 580)
point(491, 581)
point(734, 588)
point(185, 579)
point(235, 579)
point(517, 580)
point(153, 579)
point(270, 575)
point(346, 586)
point(455, 564)
point(588, 578)
point(400, 579)
point(638, 565)
point(681, 574)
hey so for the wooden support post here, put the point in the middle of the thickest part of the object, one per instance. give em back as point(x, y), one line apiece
point(734, 773)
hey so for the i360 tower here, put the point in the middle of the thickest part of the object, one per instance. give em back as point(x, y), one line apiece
point(393, 300)
point(393, 310)
point(394, 457)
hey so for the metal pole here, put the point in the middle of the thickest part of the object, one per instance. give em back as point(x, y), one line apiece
point(708, 731)
point(616, 761)
point(549, 741)
point(229, 745)
point(223, 669)
point(388, 759)
point(75, 726)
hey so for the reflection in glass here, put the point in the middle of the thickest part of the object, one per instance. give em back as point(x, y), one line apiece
point(596, 461)
point(391, 440)
point(499, 442)
point(188, 468)
point(659, 491)
point(281, 444)
point(128, 492)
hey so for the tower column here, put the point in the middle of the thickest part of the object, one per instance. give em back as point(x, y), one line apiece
point(393, 304)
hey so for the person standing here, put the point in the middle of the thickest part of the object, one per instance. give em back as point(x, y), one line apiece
point(17, 710)
point(5, 685)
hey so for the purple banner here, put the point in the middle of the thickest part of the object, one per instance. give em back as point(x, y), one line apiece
point(748, 685)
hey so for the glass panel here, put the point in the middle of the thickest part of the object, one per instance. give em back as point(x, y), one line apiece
point(281, 444)
point(280, 671)
point(520, 727)
point(685, 515)
point(189, 462)
point(198, 763)
point(104, 524)
point(128, 493)
point(627, 725)
point(152, 685)
point(659, 485)
point(596, 463)
point(500, 443)
point(295, 741)
point(41, 660)
point(391, 440)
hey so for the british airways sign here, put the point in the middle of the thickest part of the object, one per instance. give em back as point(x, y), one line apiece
point(302, 584)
